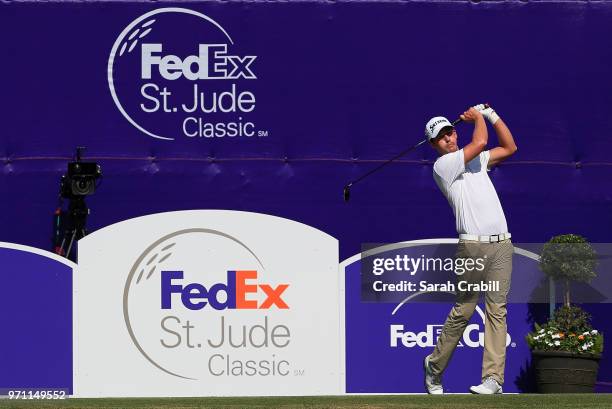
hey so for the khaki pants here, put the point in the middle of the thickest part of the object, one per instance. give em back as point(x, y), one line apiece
point(498, 267)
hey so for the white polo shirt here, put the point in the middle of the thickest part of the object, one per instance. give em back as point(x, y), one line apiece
point(470, 193)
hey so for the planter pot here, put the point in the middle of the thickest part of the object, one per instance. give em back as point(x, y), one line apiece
point(565, 372)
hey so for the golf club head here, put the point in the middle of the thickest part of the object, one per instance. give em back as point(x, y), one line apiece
point(347, 192)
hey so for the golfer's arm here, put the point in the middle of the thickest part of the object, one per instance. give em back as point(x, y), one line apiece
point(506, 147)
point(479, 140)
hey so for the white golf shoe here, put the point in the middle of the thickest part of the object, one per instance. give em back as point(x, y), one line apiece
point(433, 384)
point(488, 387)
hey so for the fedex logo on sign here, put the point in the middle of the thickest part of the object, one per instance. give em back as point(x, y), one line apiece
point(212, 62)
point(238, 290)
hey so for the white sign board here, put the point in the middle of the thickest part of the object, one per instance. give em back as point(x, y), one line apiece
point(207, 302)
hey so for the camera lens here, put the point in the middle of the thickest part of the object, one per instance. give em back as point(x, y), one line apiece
point(82, 187)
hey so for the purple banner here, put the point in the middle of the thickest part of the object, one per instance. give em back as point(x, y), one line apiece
point(387, 341)
point(36, 305)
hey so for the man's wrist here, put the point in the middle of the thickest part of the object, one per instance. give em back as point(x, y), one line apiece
point(491, 115)
point(487, 112)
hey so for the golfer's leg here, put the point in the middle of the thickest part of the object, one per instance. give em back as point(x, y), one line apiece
point(494, 357)
point(459, 315)
point(454, 326)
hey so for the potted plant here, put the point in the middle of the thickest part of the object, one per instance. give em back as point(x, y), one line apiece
point(567, 258)
point(566, 350)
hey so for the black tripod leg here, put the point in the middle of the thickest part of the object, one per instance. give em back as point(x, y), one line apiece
point(61, 248)
point(74, 233)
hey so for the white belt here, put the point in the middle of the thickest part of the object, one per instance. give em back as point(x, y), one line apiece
point(494, 238)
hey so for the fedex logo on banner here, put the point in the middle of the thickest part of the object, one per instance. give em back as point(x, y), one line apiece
point(473, 337)
point(175, 73)
point(237, 292)
point(212, 62)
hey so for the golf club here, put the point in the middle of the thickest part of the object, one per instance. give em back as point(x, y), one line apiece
point(347, 188)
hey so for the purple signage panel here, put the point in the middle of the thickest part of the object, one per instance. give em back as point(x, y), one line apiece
point(387, 340)
point(36, 320)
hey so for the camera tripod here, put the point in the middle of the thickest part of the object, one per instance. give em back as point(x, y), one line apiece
point(70, 227)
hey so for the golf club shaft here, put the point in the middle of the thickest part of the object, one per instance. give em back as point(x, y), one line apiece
point(396, 157)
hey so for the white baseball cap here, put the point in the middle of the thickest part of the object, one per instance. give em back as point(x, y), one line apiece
point(435, 125)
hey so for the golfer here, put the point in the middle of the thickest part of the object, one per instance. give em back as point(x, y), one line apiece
point(461, 175)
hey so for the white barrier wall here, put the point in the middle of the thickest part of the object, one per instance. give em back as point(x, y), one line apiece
point(207, 302)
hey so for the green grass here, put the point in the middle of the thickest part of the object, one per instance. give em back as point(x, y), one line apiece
point(587, 401)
